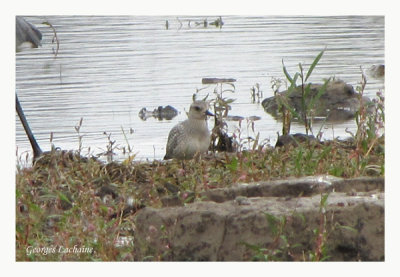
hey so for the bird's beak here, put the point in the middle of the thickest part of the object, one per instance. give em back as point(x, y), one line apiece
point(209, 113)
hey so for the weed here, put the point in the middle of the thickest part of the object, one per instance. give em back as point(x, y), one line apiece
point(369, 125)
point(221, 105)
point(280, 247)
point(320, 252)
point(306, 112)
point(256, 93)
point(54, 39)
point(80, 137)
point(370, 120)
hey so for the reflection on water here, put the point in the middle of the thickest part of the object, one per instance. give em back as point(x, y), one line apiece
point(109, 68)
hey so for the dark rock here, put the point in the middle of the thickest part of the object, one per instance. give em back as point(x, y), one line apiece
point(294, 139)
point(167, 112)
point(224, 142)
point(161, 113)
point(171, 187)
point(339, 102)
point(377, 71)
point(107, 190)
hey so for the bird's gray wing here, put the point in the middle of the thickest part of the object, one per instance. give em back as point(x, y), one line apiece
point(173, 140)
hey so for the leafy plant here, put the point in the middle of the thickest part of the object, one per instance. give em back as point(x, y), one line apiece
point(308, 101)
point(220, 106)
point(279, 248)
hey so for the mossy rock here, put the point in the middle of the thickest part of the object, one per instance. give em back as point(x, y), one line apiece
point(338, 103)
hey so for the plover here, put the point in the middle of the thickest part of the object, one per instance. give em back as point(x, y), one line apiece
point(190, 136)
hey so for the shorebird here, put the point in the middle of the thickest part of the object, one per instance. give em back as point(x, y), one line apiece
point(190, 136)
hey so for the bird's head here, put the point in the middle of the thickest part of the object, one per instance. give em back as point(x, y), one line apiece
point(199, 110)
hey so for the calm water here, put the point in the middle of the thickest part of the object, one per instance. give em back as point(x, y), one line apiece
point(108, 68)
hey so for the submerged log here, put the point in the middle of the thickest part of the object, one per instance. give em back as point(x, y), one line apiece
point(208, 81)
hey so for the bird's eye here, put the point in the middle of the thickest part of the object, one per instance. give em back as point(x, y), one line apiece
point(197, 108)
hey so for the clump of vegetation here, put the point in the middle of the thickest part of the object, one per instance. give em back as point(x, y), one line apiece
point(221, 105)
point(306, 113)
point(370, 121)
